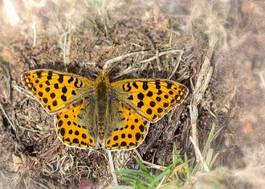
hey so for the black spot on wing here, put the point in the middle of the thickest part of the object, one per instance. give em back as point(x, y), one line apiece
point(60, 79)
point(135, 85)
point(126, 87)
point(76, 141)
point(63, 97)
point(145, 85)
point(137, 136)
point(140, 96)
point(39, 73)
point(64, 89)
point(130, 97)
point(141, 127)
point(149, 111)
point(52, 95)
point(140, 104)
point(152, 104)
point(157, 83)
point(149, 94)
point(49, 77)
point(56, 86)
point(70, 80)
point(169, 85)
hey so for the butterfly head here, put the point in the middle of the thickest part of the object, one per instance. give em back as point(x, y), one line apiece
point(103, 77)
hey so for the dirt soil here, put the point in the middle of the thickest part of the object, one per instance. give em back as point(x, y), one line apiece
point(183, 41)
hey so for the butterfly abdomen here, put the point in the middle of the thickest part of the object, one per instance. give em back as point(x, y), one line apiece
point(102, 103)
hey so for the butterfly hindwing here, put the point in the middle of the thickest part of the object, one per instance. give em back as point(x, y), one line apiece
point(129, 130)
point(152, 99)
point(71, 128)
point(54, 90)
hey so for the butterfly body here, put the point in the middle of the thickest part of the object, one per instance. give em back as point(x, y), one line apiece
point(102, 107)
point(99, 113)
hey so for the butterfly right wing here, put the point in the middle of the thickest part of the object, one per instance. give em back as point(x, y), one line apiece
point(73, 125)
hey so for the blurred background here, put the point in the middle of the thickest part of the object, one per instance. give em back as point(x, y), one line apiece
point(215, 47)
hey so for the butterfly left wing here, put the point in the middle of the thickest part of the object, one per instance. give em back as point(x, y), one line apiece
point(128, 129)
point(150, 98)
point(54, 90)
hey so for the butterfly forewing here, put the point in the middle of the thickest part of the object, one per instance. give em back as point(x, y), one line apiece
point(152, 99)
point(54, 90)
point(71, 127)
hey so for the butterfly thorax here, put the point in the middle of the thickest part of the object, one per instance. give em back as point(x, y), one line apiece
point(102, 105)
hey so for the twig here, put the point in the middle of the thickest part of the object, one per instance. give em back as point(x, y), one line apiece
point(7, 117)
point(126, 71)
point(112, 169)
point(154, 166)
point(198, 152)
point(201, 85)
point(66, 47)
point(22, 90)
point(161, 54)
point(108, 63)
point(158, 60)
point(177, 64)
point(161, 182)
point(62, 160)
point(7, 77)
point(193, 119)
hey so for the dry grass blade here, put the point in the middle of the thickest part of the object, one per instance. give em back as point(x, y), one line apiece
point(199, 154)
point(7, 117)
point(112, 168)
point(22, 90)
point(202, 83)
point(109, 63)
point(5, 73)
point(151, 165)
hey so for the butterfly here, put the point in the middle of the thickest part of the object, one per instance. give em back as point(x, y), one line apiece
point(99, 113)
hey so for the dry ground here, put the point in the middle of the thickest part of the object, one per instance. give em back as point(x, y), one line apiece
point(216, 49)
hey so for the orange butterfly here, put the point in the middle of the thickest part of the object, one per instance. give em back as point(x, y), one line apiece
point(103, 114)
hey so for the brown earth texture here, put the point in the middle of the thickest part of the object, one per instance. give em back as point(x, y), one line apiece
point(215, 48)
